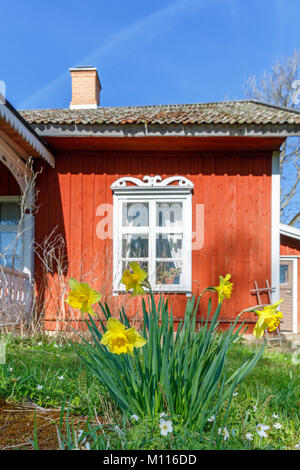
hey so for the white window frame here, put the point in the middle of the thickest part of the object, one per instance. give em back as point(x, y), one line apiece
point(7, 228)
point(153, 190)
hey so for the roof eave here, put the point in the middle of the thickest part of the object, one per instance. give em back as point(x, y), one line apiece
point(291, 232)
point(16, 121)
point(167, 130)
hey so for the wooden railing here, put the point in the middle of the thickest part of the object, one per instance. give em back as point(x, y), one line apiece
point(15, 296)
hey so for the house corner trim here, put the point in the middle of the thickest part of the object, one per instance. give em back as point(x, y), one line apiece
point(275, 226)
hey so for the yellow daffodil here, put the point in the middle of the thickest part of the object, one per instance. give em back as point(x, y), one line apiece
point(82, 296)
point(224, 289)
point(134, 280)
point(268, 318)
point(118, 340)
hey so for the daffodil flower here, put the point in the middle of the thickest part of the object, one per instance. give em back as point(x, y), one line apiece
point(118, 340)
point(136, 280)
point(268, 318)
point(82, 296)
point(224, 288)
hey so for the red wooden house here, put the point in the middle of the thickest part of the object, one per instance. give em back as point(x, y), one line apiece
point(290, 277)
point(190, 191)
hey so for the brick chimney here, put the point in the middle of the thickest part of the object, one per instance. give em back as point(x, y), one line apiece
point(86, 88)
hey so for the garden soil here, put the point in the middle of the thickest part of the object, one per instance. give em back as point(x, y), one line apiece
point(17, 424)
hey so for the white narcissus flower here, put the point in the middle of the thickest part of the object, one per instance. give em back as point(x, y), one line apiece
point(261, 430)
point(119, 431)
point(135, 417)
point(275, 416)
point(87, 444)
point(224, 433)
point(211, 419)
point(165, 427)
point(249, 436)
point(60, 377)
point(277, 425)
point(39, 387)
point(162, 414)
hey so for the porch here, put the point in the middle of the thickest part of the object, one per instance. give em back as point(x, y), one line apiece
point(19, 144)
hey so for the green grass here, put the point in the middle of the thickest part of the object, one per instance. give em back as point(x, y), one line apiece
point(47, 372)
point(272, 388)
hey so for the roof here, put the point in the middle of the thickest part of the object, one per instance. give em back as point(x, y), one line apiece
point(288, 231)
point(247, 112)
point(14, 125)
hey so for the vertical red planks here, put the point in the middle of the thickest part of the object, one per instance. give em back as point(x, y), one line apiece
point(235, 188)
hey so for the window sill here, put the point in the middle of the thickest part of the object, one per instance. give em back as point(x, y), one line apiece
point(155, 291)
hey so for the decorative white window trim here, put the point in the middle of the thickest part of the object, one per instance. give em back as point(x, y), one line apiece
point(151, 191)
point(14, 227)
point(27, 233)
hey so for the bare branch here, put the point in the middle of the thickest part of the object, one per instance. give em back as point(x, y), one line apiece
point(275, 87)
point(295, 219)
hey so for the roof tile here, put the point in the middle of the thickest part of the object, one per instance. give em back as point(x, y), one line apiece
point(230, 112)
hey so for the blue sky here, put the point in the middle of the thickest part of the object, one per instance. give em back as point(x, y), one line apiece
point(157, 52)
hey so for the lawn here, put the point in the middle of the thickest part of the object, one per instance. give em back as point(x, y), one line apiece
point(42, 374)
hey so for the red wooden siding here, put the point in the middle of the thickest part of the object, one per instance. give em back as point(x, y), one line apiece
point(8, 184)
point(234, 186)
point(291, 247)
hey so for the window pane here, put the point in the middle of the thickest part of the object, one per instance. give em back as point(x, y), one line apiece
point(284, 273)
point(9, 213)
point(135, 214)
point(168, 214)
point(168, 245)
point(135, 246)
point(143, 265)
point(10, 250)
point(168, 272)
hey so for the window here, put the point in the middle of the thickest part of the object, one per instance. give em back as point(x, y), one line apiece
point(284, 268)
point(11, 249)
point(152, 225)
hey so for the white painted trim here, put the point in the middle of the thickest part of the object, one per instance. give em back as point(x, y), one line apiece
point(152, 189)
point(15, 199)
point(29, 231)
point(12, 119)
point(83, 106)
point(61, 129)
point(295, 289)
point(291, 232)
point(275, 227)
point(79, 69)
point(14, 163)
point(152, 181)
point(27, 261)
